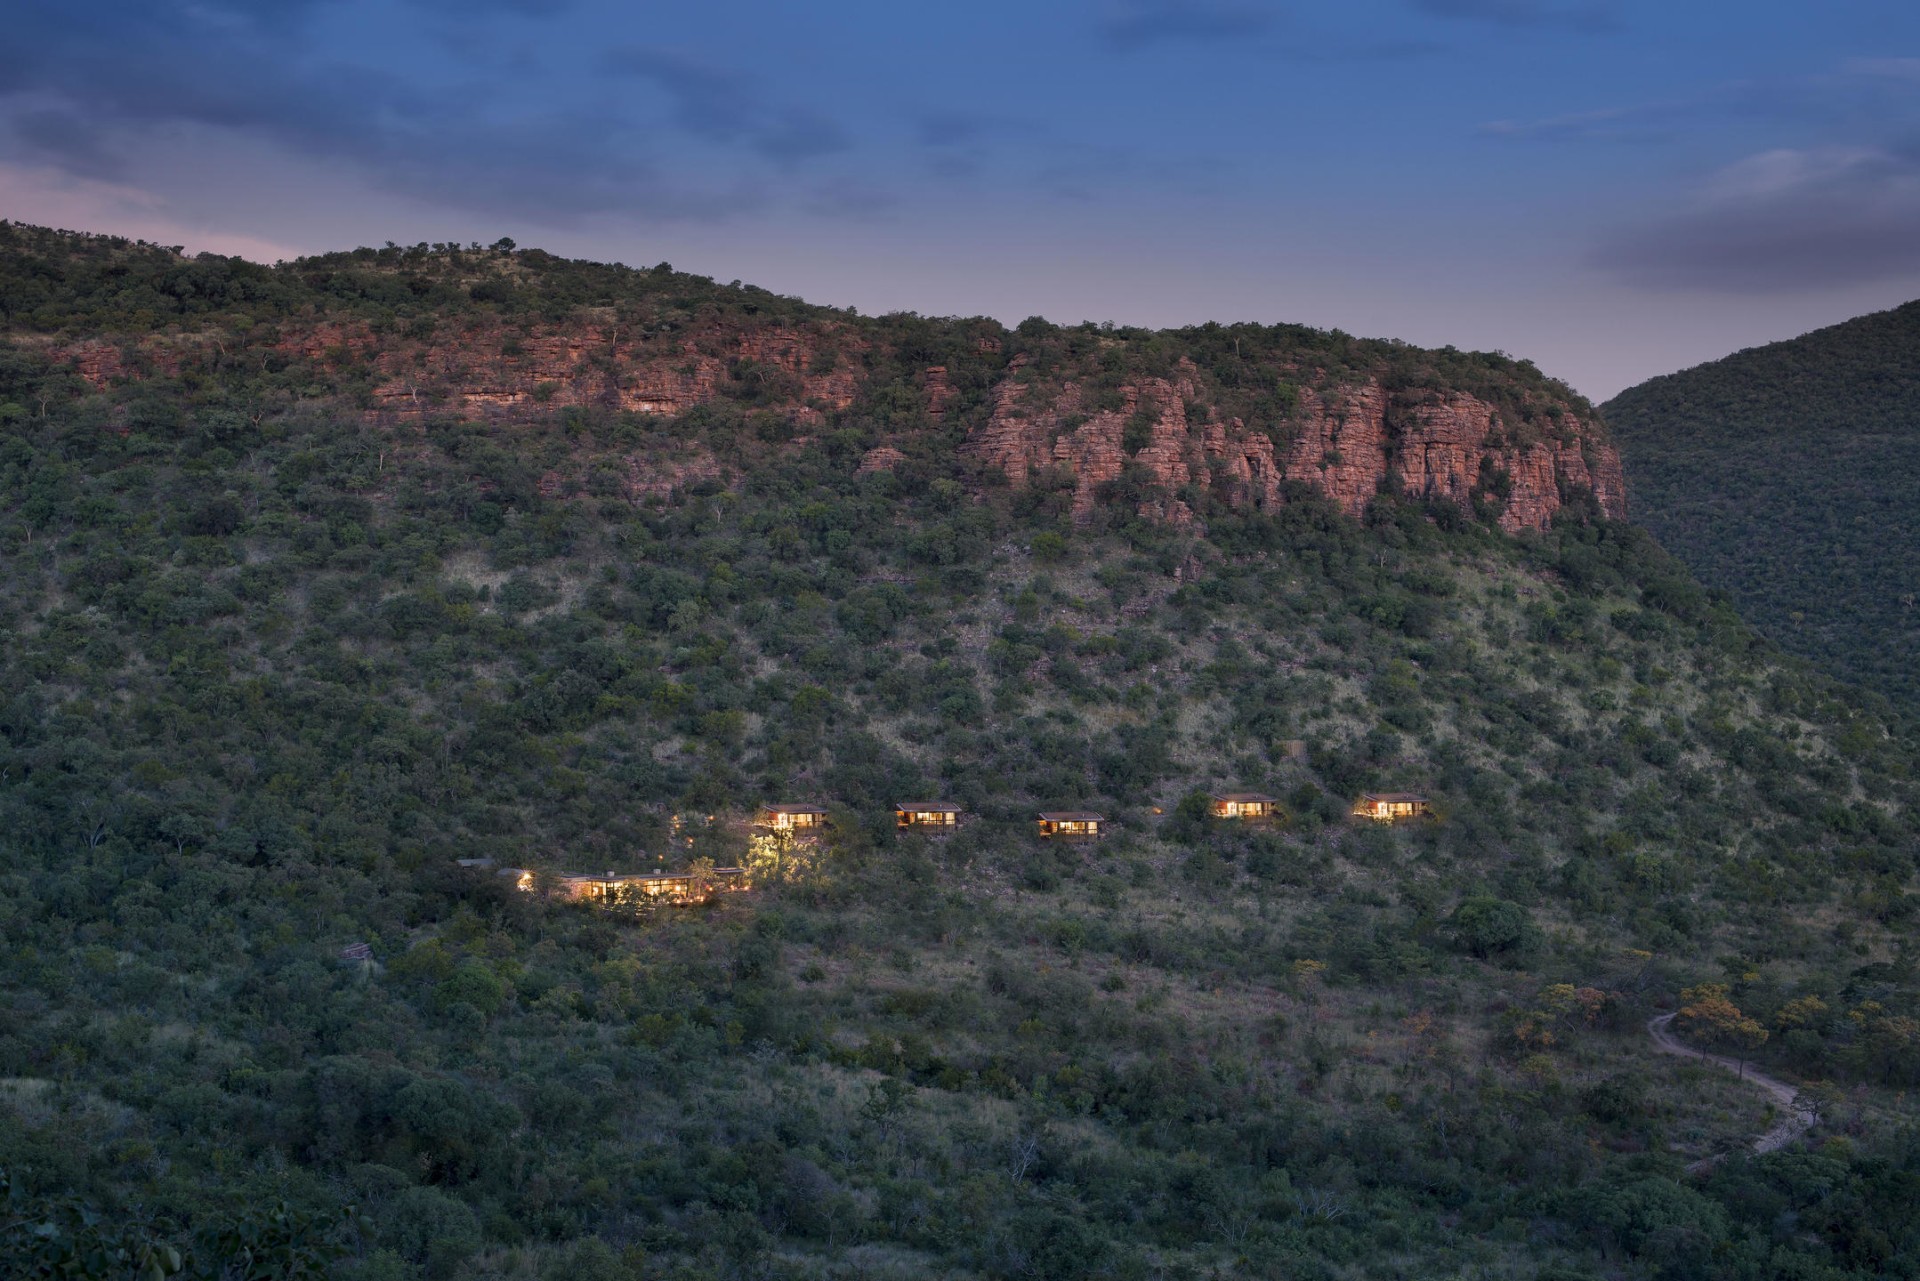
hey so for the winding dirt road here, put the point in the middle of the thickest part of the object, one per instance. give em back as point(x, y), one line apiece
point(1796, 1115)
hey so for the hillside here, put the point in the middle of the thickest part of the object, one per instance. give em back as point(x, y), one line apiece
point(317, 579)
point(1787, 476)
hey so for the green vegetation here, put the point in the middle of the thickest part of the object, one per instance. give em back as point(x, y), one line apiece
point(1789, 476)
point(273, 665)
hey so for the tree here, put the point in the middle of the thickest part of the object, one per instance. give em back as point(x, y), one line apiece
point(277, 1242)
point(62, 1237)
point(1654, 1217)
point(1889, 1048)
point(1191, 819)
point(428, 1227)
point(1710, 1015)
point(700, 879)
point(1488, 927)
point(1801, 1012)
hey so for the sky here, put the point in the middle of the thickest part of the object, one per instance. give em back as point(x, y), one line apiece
point(1611, 188)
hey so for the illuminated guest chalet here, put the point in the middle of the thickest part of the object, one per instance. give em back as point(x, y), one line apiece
point(657, 886)
point(793, 818)
point(1391, 807)
point(929, 816)
point(1250, 806)
point(614, 888)
point(1072, 825)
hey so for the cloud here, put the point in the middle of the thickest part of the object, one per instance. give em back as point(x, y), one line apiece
point(457, 134)
point(1863, 94)
point(1907, 69)
point(1785, 173)
point(1594, 15)
point(225, 66)
point(955, 143)
point(1782, 220)
point(723, 106)
point(1651, 123)
point(1838, 211)
point(60, 135)
point(51, 198)
point(1128, 25)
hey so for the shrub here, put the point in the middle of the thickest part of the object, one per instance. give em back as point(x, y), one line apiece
point(427, 1227)
point(1485, 927)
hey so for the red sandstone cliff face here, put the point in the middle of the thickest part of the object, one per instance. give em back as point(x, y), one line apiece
point(1031, 430)
point(98, 362)
point(488, 367)
point(599, 365)
point(939, 391)
point(1348, 444)
point(885, 458)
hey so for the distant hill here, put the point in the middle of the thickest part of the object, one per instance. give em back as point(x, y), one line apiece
point(320, 580)
point(1789, 476)
point(1239, 416)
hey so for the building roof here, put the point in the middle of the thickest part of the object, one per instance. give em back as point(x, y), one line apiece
point(928, 807)
point(1072, 816)
point(1246, 798)
point(1395, 797)
point(796, 809)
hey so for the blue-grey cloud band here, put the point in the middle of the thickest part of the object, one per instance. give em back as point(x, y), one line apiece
point(1854, 233)
point(70, 98)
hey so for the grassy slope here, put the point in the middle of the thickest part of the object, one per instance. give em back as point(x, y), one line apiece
point(1786, 476)
point(255, 702)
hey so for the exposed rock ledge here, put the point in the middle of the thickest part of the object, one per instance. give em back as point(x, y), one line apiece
point(1349, 446)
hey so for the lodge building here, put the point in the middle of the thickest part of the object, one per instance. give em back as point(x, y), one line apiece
point(1246, 806)
point(793, 818)
point(1391, 807)
point(934, 816)
point(1072, 825)
point(657, 886)
point(613, 888)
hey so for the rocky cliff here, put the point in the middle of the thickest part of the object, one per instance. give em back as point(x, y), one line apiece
point(1349, 443)
point(1075, 408)
point(487, 366)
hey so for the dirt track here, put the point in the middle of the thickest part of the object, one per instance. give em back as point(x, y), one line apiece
point(1796, 1116)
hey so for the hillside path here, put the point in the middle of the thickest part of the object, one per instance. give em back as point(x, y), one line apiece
point(1796, 1116)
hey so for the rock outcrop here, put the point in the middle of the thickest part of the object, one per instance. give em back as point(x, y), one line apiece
point(884, 458)
point(1067, 430)
point(940, 391)
point(1037, 436)
point(99, 363)
point(598, 365)
point(1349, 444)
point(487, 367)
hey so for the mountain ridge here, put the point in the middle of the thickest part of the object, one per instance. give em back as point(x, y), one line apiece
point(287, 661)
point(1784, 474)
point(1302, 409)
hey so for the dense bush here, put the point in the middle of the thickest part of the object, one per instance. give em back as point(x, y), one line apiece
point(274, 666)
point(1785, 476)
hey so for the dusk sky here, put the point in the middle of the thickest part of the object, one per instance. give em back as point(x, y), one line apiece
point(1612, 189)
